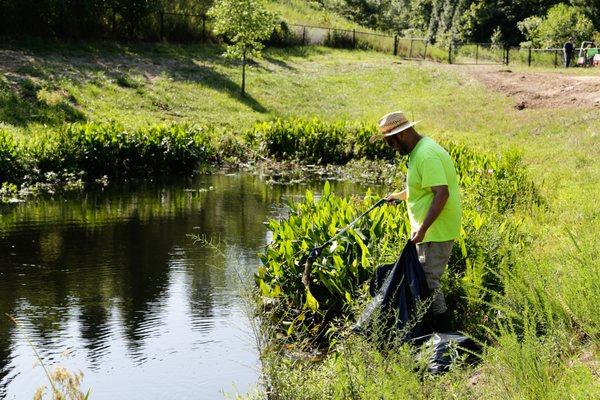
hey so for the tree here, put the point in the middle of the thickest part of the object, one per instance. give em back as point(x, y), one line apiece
point(245, 24)
point(562, 23)
point(482, 17)
point(591, 9)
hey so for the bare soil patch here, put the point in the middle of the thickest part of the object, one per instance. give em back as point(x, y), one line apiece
point(541, 89)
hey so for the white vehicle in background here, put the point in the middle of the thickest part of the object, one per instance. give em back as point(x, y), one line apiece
point(589, 55)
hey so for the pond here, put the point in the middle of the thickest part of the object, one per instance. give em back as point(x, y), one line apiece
point(111, 283)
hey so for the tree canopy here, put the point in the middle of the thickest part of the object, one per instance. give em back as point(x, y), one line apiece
point(469, 20)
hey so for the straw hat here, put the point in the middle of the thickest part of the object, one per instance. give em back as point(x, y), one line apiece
point(392, 124)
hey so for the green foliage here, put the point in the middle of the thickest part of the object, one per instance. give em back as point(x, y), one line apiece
point(591, 9)
point(8, 157)
point(98, 150)
point(313, 141)
point(245, 23)
point(338, 273)
point(496, 38)
point(493, 190)
point(482, 17)
point(562, 23)
point(82, 19)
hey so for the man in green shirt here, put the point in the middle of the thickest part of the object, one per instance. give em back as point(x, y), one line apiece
point(433, 202)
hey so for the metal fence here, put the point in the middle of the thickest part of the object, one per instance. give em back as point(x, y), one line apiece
point(174, 26)
point(476, 53)
point(413, 48)
point(493, 54)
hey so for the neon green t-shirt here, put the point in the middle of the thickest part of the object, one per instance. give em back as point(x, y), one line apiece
point(430, 165)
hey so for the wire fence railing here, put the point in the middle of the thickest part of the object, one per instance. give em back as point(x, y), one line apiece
point(179, 26)
point(487, 53)
point(413, 48)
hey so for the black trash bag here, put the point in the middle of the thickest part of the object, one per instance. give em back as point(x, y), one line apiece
point(397, 289)
point(442, 349)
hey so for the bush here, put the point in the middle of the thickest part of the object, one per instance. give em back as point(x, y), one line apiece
point(98, 150)
point(493, 191)
point(316, 142)
point(282, 36)
point(338, 274)
point(561, 24)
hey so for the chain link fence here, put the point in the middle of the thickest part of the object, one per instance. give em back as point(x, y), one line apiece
point(413, 48)
point(181, 27)
point(494, 54)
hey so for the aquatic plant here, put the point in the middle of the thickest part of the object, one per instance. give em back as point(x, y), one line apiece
point(493, 192)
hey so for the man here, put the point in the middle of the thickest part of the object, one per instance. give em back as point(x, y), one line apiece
point(568, 52)
point(433, 202)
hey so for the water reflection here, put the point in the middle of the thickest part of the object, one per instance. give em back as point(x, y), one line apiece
point(113, 279)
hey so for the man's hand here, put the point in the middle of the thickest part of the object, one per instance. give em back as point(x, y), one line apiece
point(418, 236)
point(394, 198)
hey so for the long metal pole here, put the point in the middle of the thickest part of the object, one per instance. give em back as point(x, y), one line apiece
point(316, 252)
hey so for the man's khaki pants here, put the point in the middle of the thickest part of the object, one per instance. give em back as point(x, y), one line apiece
point(434, 257)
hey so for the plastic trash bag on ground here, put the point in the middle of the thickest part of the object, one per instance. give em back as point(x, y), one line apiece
point(441, 350)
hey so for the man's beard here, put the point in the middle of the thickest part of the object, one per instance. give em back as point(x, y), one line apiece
point(403, 149)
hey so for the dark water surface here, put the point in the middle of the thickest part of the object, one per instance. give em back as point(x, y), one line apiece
point(111, 284)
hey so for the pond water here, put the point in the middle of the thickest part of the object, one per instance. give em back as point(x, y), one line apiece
point(110, 283)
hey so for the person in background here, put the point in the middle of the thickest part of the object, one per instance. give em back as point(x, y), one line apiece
point(568, 52)
point(433, 202)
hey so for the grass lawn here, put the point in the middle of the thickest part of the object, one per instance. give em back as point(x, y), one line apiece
point(43, 85)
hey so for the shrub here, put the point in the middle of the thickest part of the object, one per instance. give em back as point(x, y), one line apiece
point(97, 150)
point(9, 165)
point(338, 273)
point(493, 190)
point(316, 142)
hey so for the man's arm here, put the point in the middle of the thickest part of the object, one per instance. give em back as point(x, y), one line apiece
point(440, 197)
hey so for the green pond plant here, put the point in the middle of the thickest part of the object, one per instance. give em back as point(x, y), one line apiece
point(495, 192)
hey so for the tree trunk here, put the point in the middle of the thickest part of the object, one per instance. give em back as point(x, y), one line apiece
point(244, 73)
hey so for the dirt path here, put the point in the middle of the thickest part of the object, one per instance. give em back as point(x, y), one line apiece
point(540, 89)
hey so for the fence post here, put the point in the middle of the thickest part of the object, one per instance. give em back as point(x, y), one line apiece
point(450, 53)
point(395, 45)
point(555, 58)
point(161, 16)
point(354, 38)
point(411, 47)
point(114, 21)
point(507, 55)
point(529, 57)
point(477, 53)
point(425, 52)
point(304, 36)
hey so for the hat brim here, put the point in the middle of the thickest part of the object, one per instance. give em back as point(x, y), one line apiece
point(395, 131)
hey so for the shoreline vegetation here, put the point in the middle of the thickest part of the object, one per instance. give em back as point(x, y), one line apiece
point(82, 154)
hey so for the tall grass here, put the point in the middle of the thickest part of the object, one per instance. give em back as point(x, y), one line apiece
point(64, 384)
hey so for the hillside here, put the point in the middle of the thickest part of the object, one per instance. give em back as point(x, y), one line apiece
point(310, 13)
